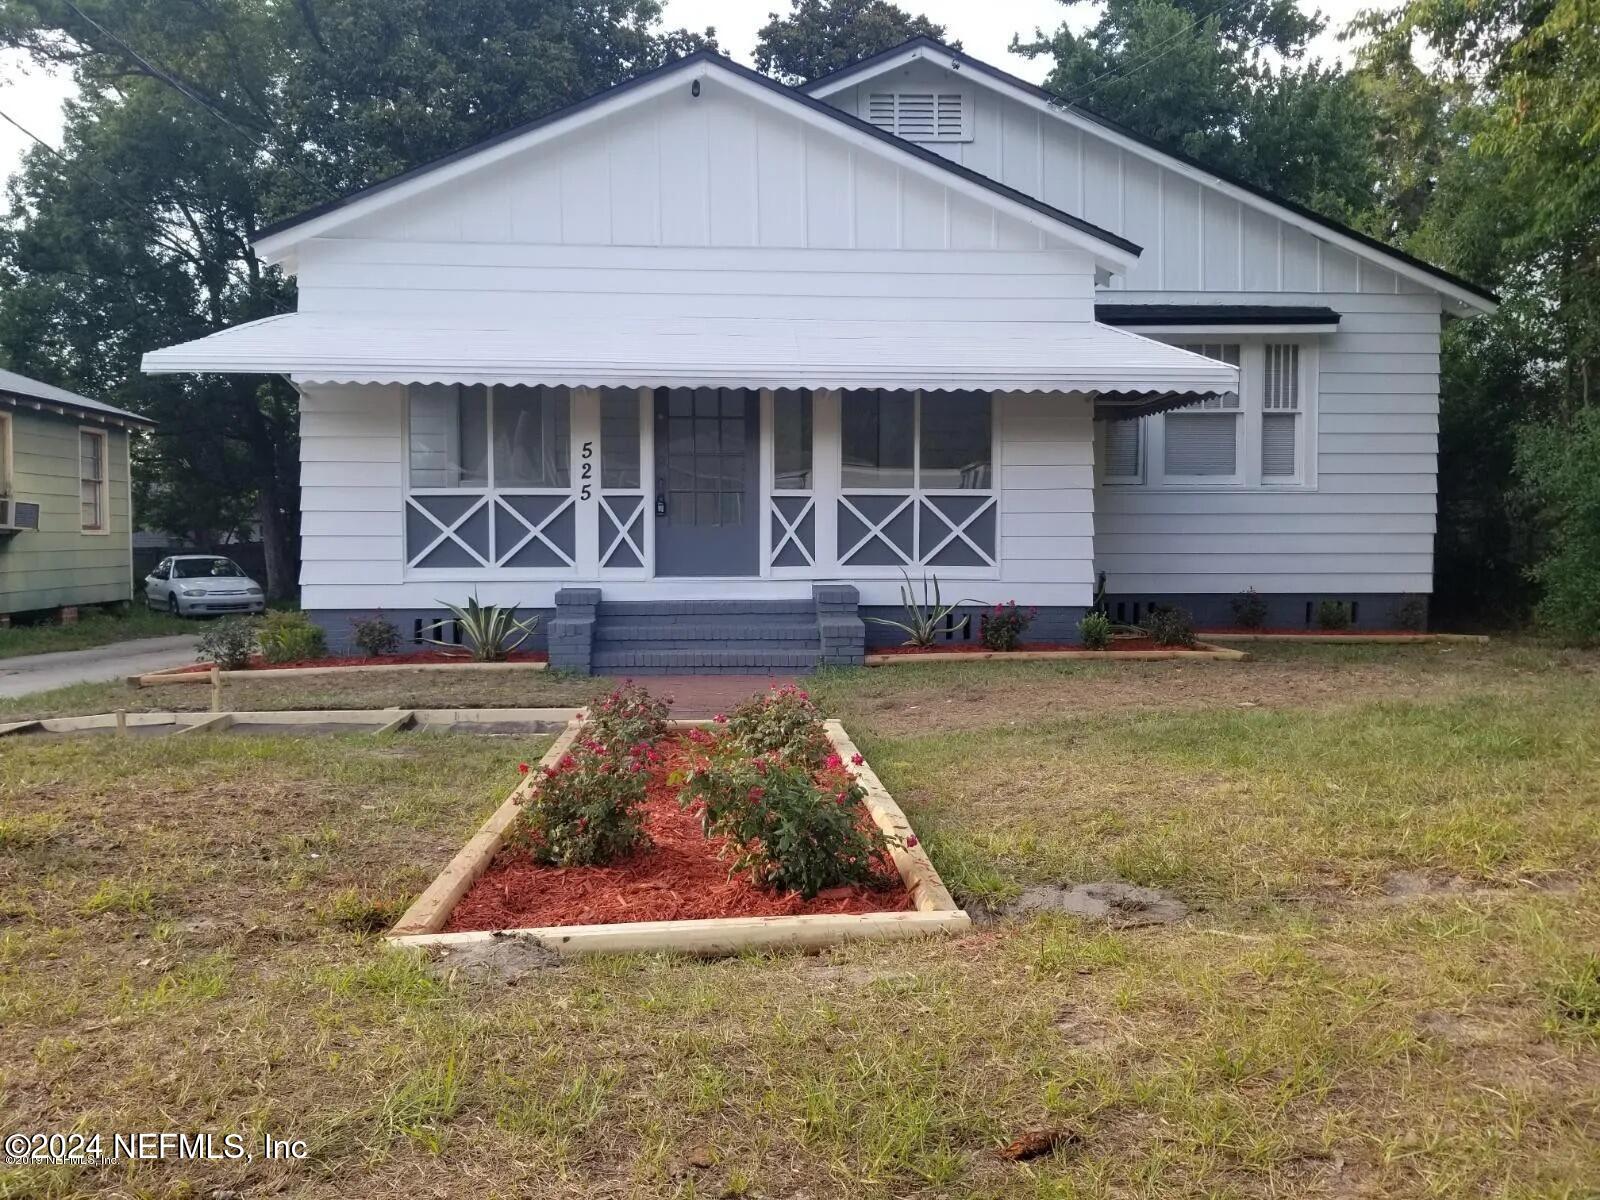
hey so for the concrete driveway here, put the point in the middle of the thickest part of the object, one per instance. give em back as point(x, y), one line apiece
point(30, 673)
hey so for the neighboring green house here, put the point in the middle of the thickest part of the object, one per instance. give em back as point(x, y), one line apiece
point(66, 530)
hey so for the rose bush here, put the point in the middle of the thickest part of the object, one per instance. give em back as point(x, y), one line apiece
point(626, 716)
point(585, 809)
point(1002, 627)
point(793, 828)
point(781, 720)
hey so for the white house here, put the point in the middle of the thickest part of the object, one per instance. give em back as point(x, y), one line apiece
point(704, 365)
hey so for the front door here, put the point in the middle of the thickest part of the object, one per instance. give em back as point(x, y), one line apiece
point(707, 481)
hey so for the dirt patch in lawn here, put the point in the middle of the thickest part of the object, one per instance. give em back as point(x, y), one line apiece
point(1122, 905)
point(682, 876)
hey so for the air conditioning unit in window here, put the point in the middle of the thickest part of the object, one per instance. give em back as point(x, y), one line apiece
point(17, 515)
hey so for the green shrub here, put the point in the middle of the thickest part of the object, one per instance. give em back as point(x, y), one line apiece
point(792, 829)
point(1556, 464)
point(375, 636)
point(1002, 627)
point(1333, 615)
point(288, 637)
point(586, 809)
point(625, 717)
point(1094, 631)
point(230, 643)
point(1249, 609)
point(1170, 626)
point(783, 721)
point(1411, 614)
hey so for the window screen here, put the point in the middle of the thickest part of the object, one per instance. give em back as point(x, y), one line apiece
point(877, 434)
point(1122, 449)
point(619, 438)
point(791, 440)
point(532, 438)
point(449, 436)
point(956, 432)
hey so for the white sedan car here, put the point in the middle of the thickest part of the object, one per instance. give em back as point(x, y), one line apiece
point(193, 585)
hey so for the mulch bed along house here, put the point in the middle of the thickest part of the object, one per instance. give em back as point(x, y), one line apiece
point(420, 659)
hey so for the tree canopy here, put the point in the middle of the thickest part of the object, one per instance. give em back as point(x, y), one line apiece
point(819, 37)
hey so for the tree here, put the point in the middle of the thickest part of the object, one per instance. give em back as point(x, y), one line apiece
point(1197, 76)
point(819, 37)
point(198, 121)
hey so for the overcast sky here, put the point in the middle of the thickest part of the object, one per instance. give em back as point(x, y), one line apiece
point(985, 29)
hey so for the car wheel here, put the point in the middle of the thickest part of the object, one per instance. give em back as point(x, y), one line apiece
point(172, 604)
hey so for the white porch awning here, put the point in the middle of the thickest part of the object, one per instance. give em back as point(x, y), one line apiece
point(766, 352)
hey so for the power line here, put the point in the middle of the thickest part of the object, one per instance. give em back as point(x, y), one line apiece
point(1125, 71)
point(189, 93)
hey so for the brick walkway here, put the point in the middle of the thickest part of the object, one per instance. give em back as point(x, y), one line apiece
point(707, 695)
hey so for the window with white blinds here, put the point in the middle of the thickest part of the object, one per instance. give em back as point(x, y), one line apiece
point(1121, 455)
point(1263, 435)
point(1202, 440)
point(922, 116)
point(1280, 411)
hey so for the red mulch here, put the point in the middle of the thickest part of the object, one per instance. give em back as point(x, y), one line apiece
point(679, 878)
point(980, 648)
point(380, 660)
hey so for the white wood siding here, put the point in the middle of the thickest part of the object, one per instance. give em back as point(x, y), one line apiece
point(1368, 524)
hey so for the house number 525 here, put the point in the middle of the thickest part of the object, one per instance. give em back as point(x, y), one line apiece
point(586, 471)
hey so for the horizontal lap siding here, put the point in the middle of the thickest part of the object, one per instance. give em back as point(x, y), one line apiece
point(1367, 526)
point(1047, 499)
point(352, 523)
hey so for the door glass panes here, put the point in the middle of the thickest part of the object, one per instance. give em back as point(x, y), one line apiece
point(877, 430)
point(619, 439)
point(532, 438)
point(705, 456)
point(791, 440)
point(955, 440)
point(449, 440)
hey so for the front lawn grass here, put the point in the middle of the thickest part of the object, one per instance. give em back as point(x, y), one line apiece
point(1386, 986)
point(94, 627)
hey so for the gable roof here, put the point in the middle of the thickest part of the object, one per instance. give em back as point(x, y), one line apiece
point(1476, 297)
point(274, 239)
point(49, 396)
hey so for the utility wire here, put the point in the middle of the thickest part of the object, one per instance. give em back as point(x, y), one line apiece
point(204, 102)
point(1124, 72)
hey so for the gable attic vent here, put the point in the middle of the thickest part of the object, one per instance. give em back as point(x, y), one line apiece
point(922, 116)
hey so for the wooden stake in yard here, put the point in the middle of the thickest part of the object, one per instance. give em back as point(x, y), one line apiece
point(122, 722)
point(216, 690)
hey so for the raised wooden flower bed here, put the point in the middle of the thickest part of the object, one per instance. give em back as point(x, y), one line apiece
point(680, 893)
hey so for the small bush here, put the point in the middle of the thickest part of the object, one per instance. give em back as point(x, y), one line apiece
point(1249, 609)
point(230, 643)
point(288, 637)
point(585, 810)
point(1333, 615)
point(625, 717)
point(793, 830)
point(1170, 626)
point(376, 636)
point(1094, 631)
point(492, 631)
point(781, 721)
point(1002, 627)
point(1412, 614)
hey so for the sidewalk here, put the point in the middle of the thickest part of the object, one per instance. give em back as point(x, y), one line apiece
point(31, 673)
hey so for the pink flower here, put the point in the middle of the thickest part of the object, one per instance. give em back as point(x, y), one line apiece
point(833, 762)
point(720, 719)
point(522, 768)
point(857, 759)
point(756, 794)
point(911, 839)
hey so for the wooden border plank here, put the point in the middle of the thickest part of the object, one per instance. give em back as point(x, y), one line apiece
point(717, 935)
point(432, 908)
point(916, 868)
point(401, 721)
point(177, 676)
point(1352, 639)
point(210, 723)
point(19, 727)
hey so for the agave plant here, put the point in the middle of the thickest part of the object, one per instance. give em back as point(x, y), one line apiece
point(492, 631)
point(924, 622)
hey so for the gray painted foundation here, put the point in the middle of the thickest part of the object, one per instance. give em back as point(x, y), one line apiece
point(1290, 611)
point(338, 624)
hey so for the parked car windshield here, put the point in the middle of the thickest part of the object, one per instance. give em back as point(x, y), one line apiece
point(206, 568)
